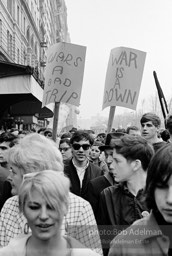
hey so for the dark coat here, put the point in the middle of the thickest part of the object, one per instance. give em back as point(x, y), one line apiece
point(95, 187)
point(118, 206)
point(118, 209)
point(6, 193)
point(91, 172)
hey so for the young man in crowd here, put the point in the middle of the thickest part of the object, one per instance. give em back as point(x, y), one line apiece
point(79, 169)
point(133, 130)
point(150, 125)
point(151, 235)
point(96, 186)
point(96, 156)
point(122, 204)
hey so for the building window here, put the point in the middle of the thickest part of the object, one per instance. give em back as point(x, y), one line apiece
point(36, 49)
point(8, 41)
point(32, 43)
point(18, 56)
point(9, 6)
point(28, 36)
point(24, 58)
point(11, 45)
point(0, 32)
point(18, 15)
point(24, 26)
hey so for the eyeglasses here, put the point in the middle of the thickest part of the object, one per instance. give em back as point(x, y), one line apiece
point(64, 149)
point(48, 135)
point(4, 147)
point(77, 146)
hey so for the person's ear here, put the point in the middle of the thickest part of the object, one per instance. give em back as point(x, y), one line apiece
point(158, 128)
point(136, 165)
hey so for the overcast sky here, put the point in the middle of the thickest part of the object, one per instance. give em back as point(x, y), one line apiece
point(102, 25)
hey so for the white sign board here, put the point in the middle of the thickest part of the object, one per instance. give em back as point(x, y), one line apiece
point(64, 73)
point(123, 77)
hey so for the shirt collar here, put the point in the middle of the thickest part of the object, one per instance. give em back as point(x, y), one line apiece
point(78, 167)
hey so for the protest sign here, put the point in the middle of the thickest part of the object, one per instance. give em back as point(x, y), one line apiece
point(64, 73)
point(123, 77)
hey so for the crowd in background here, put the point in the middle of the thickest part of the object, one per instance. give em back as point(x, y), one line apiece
point(108, 184)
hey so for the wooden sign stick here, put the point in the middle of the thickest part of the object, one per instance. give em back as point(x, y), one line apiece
point(55, 120)
point(111, 117)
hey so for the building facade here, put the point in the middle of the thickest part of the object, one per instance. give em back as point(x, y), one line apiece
point(27, 29)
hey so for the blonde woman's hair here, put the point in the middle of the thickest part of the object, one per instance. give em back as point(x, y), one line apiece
point(52, 186)
point(35, 153)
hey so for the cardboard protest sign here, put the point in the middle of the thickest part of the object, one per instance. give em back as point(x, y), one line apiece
point(64, 73)
point(123, 77)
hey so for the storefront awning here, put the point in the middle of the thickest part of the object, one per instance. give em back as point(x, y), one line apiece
point(20, 92)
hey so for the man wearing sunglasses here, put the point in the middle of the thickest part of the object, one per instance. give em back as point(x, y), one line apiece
point(79, 169)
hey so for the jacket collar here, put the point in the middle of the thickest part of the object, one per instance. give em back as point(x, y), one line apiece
point(109, 178)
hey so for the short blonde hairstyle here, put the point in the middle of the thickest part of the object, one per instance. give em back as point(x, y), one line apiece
point(52, 186)
point(35, 153)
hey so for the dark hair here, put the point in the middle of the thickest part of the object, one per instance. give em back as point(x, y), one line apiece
point(81, 135)
point(121, 130)
point(159, 172)
point(8, 137)
point(151, 117)
point(66, 135)
point(73, 130)
point(98, 144)
point(47, 132)
point(165, 135)
point(101, 137)
point(42, 129)
point(65, 140)
point(102, 134)
point(134, 147)
point(168, 123)
point(135, 128)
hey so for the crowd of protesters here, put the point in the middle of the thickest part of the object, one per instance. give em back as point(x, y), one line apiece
point(87, 193)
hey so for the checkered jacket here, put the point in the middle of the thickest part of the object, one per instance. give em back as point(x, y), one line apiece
point(79, 222)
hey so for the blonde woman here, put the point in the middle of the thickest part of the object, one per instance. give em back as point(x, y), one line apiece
point(44, 201)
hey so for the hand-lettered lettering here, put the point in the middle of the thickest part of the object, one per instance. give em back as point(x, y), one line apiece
point(123, 59)
point(77, 60)
point(57, 80)
point(58, 69)
point(53, 94)
point(67, 82)
point(74, 95)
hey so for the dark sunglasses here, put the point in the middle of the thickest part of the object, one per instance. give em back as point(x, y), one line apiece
point(77, 146)
point(3, 147)
point(64, 149)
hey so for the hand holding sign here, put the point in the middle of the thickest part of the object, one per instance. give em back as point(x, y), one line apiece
point(64, 73)
point(123, 78)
